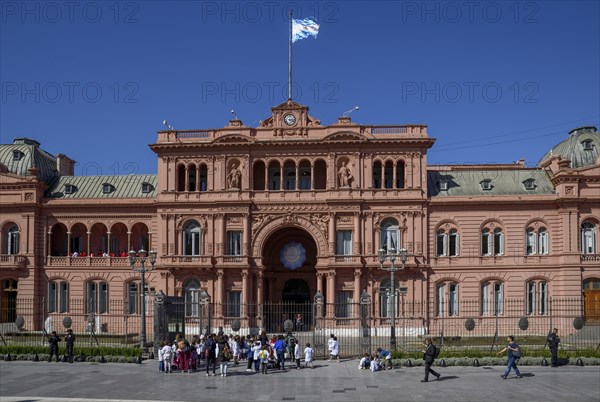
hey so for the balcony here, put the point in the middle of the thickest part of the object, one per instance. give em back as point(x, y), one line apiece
point(187, 260)
point(55, 261)
point(13, 261)
point(589, 258)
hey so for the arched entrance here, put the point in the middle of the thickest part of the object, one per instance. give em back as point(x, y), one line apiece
point(290, 256)
point(8, 300)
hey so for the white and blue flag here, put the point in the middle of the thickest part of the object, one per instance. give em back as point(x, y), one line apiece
point(304, 28)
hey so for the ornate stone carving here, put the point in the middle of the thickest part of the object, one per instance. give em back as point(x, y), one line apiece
point(234, 178)
point(344, 219)
point(234, 220)
point(376, 218)
point(290, 218)
point(321, 221)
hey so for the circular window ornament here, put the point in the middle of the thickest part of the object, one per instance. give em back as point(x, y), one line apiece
point(292, 255)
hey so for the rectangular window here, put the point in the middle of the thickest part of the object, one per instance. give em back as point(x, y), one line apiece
point(452, 299)
point(192, 302)
point(543, 242)
point(543, 294)
point(344, 242)
point(234, 243)
point(440, 248)
point(64, 297)
point(453, 244)
point(498, 299)
point(52, 297)
point(132, 298)
point(97, 297)
point(485, 298)
point(530, 246)
point(343, 304)
point(440, 300)
point(530, 298)
point(486, 243)
point(498, 243)
point(234, 304)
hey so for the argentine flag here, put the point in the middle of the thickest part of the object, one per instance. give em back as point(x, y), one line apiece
point(304, 28)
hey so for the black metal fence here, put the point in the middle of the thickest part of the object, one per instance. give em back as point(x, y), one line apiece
point(359, 327)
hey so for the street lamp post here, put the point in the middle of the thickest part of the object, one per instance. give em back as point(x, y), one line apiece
point(143, 256)
point(391, 255)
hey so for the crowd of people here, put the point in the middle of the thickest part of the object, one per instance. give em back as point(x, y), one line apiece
point(206, 352)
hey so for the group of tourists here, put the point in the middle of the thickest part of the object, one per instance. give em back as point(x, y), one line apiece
point(206, 351)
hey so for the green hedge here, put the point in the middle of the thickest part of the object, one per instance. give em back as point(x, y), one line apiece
point(77, 351)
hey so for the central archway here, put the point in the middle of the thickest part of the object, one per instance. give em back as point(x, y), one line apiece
point(289, 257)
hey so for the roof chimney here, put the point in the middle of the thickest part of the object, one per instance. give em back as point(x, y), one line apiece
point(65, 165)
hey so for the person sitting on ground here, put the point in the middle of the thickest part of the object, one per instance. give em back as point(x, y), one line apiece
point(365, 362)
point(375, 366)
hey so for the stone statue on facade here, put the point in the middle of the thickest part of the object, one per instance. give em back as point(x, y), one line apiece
point(234, 177)
point(344, 175)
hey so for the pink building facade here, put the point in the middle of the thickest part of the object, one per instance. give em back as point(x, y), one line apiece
point(279, 212)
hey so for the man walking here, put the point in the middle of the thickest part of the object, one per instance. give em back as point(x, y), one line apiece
point(429, 356)
point(553, 341)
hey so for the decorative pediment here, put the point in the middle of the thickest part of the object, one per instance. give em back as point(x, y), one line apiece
point(233, 139)
point(291, 117)
point(344, 136)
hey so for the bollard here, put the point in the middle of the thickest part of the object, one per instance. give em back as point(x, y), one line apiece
point(544, 362)
point(442, 363)
point(36, 358)
point(151, 355)
point(476, 363)
point(102, 359)
point(579, 362)
point(409, 363)
point(139, 360)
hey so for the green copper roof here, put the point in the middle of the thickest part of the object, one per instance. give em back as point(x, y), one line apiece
point(129, 186)
point(582, 148)
point(30, 155)
point(502, 182)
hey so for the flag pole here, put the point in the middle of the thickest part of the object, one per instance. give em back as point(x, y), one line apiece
point(290, 60)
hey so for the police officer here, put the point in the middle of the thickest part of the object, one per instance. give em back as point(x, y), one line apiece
point(553, 341)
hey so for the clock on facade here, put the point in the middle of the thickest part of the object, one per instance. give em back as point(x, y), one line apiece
point(289, 119)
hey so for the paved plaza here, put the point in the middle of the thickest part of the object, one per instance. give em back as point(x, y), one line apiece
point(29, 381)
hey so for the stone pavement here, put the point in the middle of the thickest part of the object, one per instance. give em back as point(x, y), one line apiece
point(54, 382)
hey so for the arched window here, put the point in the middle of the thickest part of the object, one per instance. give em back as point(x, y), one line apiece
point(191, 238)
point(12, 240)
point(537, 298)
point(376, 174)
point(203, 178)
point(588, 238)
point(447, 243)
point(400, 174)
point(192, 178)
point(191, 295)
point(389, 175)
point(447, 299)
point(492, 298)
point(58, 296)
point(390, 235)
point(536, 241)
point(97, 297)
point(274, 176)
point(492, 243)
point(180, 178)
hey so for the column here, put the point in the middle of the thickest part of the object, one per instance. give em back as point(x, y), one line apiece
point(187, 178)
point(259, 288)
point(150, 241)
point(245, 298)
point(281, 181)
point(266, 176)
point(245, 234)
point(69, 244)
point(312, 176)
point(128, 241)
point(107, 251)
point(331, 233)
point(219, 293)
point(198, 185)
point(50, 243)
point(330, 294)
point(297, 178)
point(356, 295)
point(382, 174)
point(356, 237)
point(89, 238)
point(394, 174)
point(320, 282)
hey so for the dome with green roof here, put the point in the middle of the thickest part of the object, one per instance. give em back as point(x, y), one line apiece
point(582, 148)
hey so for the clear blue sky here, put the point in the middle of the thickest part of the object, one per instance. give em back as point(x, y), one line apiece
point(495, 81)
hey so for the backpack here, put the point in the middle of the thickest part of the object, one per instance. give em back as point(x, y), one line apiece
point(436, 352)
point(517, 353)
